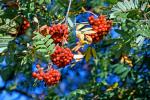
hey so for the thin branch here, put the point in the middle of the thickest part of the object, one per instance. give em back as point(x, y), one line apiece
point(92, 13)
point(25, 93)
point(15, 18)
point(70, 1)
point(62, 20)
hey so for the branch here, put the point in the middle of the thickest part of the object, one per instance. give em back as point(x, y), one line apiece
point(24, 93)
point(70, 1)
point(92, 13)
point(19, 91)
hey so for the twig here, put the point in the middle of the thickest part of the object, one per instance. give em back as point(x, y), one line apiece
point(49, 65)
point(62, 20)
point(14, 18)
point(19, 91)
point(91, 13)
point(70, 1)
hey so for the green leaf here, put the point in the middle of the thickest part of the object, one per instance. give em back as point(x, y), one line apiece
point(121, 6)
point(24, 60)
point(48, 1)
point(140, 40)
point(51, 48)
point(2, 49)
point(9, 74)
point(123, 75)
point(144, 6)
point(120, 69)
point(115, 9)
point(139, 80)
point(42, 50)
point(132, 4)
point(47, 38)
point(127, 4)
point(41, 46)
point(7, 21)
point(79, 91)
point(136, 2)
point(88, 54)
point(36, 33)
point(32, 6)
point(49, 42)
point(38, 37)
point(143, 30)
point(5, 40)
point(70, 22)
point(39, 42)
point(93, 52)
point(41, 1)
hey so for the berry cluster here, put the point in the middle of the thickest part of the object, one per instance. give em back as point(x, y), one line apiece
point(50, 77)
point(61, 56)
point(101, 26)
point(24, 26)
point(59, 33)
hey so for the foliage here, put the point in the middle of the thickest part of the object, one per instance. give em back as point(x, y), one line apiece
point(117, 67)
point(43, 44)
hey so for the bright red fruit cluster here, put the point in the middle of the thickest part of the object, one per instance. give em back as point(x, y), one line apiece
point(101, 26)
point(59, 33)
point(50, 77)
point(26, 24)
point(61, 56)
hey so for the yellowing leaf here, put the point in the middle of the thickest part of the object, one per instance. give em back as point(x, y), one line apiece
point(89, 39)
point(89, 32)
point(78, 27)
point(93, 53)
point(80, 36)
point(125, 59)
point(86, 29)
point(115, 85)
point(77, 47)
point(88, 54)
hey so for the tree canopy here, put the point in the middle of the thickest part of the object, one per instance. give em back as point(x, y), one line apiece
point(75, 49)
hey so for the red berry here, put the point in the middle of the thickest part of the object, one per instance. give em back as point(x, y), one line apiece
point(34, 74)
point(61, 56)
point(50, 77)
point(59, 32)
point(101, 26)
point(37, 66)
